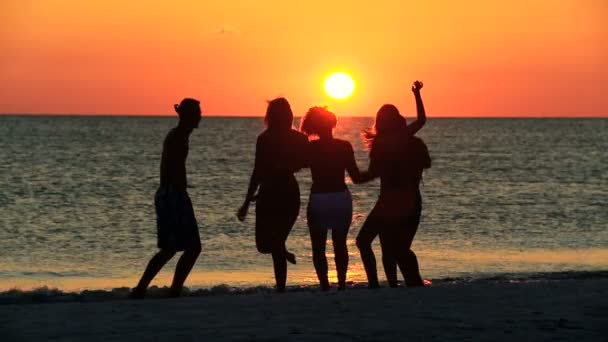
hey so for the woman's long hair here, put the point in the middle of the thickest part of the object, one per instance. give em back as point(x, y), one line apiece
point(278, 115)
point(388, 122)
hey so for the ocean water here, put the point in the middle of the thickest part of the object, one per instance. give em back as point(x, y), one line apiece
point(504, 196)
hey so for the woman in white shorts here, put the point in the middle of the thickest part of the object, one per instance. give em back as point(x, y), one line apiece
point(330, 205)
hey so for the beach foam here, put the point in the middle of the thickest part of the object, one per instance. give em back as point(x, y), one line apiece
point(53, 295)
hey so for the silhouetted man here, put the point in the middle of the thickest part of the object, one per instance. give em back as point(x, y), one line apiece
point(176, 224)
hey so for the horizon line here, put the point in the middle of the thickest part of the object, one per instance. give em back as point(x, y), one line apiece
point(604, 116)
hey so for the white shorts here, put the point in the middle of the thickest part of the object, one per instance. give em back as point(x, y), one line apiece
point(332, 210)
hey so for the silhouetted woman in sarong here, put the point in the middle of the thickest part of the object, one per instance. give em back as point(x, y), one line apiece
point(280, 151)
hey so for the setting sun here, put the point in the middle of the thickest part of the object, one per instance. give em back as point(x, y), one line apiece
point(339, 85)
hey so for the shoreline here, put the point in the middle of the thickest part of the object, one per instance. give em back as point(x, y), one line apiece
point(46, 294)
point(564, 309)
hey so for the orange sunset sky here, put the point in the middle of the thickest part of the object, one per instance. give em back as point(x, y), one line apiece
point(476, 57)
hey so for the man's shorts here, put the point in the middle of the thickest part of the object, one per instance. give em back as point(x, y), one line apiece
point(175, 222)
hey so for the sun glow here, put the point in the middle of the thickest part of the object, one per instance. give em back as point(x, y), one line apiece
point(339, 85)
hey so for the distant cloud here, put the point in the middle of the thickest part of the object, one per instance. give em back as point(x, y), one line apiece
point(227, 30)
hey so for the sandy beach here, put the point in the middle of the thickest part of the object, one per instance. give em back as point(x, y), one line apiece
point(565, 310)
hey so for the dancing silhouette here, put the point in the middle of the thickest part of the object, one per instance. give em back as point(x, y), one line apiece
point(330, 205)
point(280, 151)
point(177, 229)
point(398, 158)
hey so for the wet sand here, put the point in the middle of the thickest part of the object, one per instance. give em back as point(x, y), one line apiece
point(566, 310)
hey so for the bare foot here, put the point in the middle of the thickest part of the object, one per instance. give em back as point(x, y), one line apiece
point(137, 293)
point(175, 293)
point(290, 257)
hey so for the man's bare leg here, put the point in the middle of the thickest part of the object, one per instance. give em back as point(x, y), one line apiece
point(183, 268)
point(154, 266)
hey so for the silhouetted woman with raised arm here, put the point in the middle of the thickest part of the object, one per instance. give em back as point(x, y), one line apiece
point(398, 158)
point(280, 151)
point(330, 205)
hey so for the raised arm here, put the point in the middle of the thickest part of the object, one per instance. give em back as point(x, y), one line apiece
point(420, 113)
